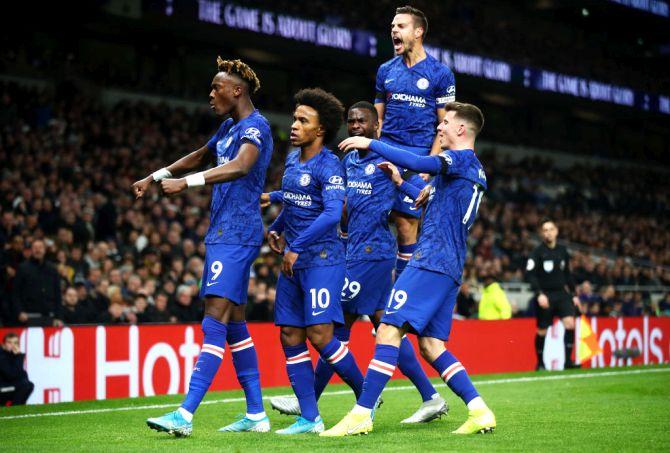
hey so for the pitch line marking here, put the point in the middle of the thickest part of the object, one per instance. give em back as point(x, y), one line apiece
point(400, 388)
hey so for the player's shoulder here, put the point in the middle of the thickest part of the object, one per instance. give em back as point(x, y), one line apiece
point(256, 121)
point(439, 70)
point(388, 64)
point(329, 158)
point(350, 158)
point(329, 162)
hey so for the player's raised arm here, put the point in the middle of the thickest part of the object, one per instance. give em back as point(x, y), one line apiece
point(196, 159)
point(404, 186)
point(420, 164)
point(236, 168)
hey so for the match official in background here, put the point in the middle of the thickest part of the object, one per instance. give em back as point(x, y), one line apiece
point(548, 272)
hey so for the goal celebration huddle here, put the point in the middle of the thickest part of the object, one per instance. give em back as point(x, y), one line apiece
point(409, 160)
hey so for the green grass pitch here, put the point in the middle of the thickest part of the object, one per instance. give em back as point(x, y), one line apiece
point(623, 409)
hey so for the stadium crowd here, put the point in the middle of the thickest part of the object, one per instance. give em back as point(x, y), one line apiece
point(75, 246)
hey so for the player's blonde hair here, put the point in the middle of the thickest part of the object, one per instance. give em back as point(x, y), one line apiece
point(240, 69)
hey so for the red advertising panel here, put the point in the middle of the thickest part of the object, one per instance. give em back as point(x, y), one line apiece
point(99, 362)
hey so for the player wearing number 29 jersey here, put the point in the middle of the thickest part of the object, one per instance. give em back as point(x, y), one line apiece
point(423, 297)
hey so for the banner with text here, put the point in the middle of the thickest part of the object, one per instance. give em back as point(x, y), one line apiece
point(100, 362)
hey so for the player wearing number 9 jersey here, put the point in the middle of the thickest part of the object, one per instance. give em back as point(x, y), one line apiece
point(424, 296)
point(241, 150)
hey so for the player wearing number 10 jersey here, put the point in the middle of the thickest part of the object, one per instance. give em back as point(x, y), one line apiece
point(423, 298)
point(308, 290)
point(371, 251)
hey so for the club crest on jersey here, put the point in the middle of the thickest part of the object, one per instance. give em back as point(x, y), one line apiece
point(548, 265)
point(422, 83)
point(305, 179)
point(370, 169)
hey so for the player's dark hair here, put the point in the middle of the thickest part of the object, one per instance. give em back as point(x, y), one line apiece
point(9, 336)
point(468, 112)
point(365, 105)
point(329, 108)
point(241, 70)
point(420, 20)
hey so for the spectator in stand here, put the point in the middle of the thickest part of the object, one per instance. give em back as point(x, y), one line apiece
point(73, 311)
point(589, 302)
point(466, 306)
point(493, 303)
point(160, 312)
point(37, 293)
point(186, 309)
point(140, 308)
point(664, 305)
point(15, 388)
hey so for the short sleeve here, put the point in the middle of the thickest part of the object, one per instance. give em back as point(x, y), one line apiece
point(253, 135)
point(445, 91)
point(333, 181)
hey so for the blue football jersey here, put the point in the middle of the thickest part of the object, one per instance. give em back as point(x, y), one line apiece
point(412, 96)
point(305, 188)
point(236, 214)
point(370, 197)
point(452, 207)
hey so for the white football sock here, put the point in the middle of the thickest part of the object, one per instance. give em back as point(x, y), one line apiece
point(256, 417)
point(476, 403)
point(186, 414)
point(361, 410)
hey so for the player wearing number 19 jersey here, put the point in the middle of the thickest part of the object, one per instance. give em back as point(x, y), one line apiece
point(423, 298)
point(241, 150)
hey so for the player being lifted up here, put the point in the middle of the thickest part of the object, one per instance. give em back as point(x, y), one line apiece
point(308, 290)
point(371, 251)
point(242, 149)
point(411, 91)
point(423, 298)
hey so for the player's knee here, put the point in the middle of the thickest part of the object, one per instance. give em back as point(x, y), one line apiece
point(320, 335)
point(389, 334)
point(218, 308)
point(569, 323)
point(291, 336)
point(431, 348)
point(238, 313)
point(542, 332)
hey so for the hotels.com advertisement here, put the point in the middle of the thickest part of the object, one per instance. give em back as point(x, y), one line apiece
point(100, 362)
